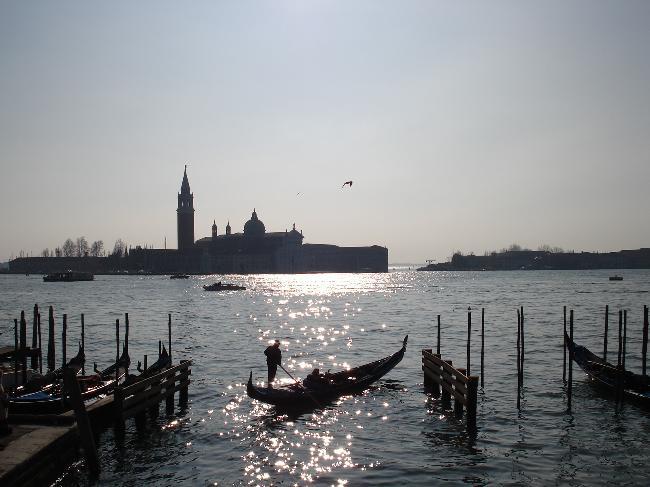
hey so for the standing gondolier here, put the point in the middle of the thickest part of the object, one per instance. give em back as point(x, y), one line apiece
point(273, 359)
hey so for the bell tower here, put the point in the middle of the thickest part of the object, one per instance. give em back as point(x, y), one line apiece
point(185, 215)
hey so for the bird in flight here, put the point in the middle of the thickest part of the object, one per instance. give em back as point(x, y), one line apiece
point(347, 182)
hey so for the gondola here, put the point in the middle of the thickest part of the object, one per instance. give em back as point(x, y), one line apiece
point(332, 386)
point(40, 382)
point(49, 400)
point(179, 276)
point(635, 386)
point(218, 286)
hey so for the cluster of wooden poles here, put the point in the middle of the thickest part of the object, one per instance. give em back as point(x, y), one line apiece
point(35, 352)
point(622, 351)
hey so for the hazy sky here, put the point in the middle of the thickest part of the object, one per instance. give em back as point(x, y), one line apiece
point(464, 125)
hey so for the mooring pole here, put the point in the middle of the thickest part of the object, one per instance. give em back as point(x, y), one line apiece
point(159, 347)
point(83, 343)
point(624, 338)
point(117, 345)
point(34, 364)
point(23, 346)
point(620, 352)
point(81, 417)
point(469, 340)
point(570, 389)
point(438, 346)
point(51, 342)
point(564, 350)
point(518, 360)
point(644, 349)
point(523, 345)
point(126, 332)
point(606, 332)
point(64, 331)
point(482, 343)
point(16, 349)
point(40, 346)
point(169, 329)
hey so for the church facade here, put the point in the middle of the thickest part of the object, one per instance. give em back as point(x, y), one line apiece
point(255, 250)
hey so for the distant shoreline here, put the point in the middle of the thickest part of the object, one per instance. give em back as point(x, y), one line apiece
point(514, 260)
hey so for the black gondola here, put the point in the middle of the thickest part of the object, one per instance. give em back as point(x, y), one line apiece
point(332, 386)
point(39, 382)
point(49, 400)
point(635, 386)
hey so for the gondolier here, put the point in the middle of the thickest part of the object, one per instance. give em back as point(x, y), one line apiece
point(273, 359)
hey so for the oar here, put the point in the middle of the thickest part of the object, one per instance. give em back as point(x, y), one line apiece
point(303, 387)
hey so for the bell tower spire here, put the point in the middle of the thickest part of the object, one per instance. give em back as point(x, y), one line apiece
point(185, 215)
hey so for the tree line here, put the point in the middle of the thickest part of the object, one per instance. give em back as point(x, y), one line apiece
point(81, 248)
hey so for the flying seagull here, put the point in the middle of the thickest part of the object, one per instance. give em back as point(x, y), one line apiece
point(347, 182)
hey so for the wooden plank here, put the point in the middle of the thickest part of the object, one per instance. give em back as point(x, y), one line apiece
point(432, 358)
point(141, 384)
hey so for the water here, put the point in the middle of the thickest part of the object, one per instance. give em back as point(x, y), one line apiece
point(392, 433)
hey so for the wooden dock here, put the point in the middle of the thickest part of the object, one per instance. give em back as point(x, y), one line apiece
point(33, 454)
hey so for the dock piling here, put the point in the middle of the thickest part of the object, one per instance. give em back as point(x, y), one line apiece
point(606, 332)
point(40, 346)
point(438, 342)
point(23, 346)
point(16, 353)
point(482, 345)
point(644, 348)
point(64, 331)
point(83, 423)
point(51, 342)
point(518, 360)
point(570, 388)
point(564, 350)
point(469, 340)
point(619, 362)
point(34, 363)
point(83, 342)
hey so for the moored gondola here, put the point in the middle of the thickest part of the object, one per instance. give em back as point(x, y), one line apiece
point(50, 400)
point(328, 387)
point(635, 386)
point(219, 286)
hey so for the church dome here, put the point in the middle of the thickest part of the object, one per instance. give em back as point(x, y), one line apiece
point(254, 227)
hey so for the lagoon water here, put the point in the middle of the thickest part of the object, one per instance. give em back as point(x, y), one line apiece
point(393, 433)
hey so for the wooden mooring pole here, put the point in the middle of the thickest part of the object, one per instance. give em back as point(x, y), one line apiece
point(438, 342)
point(469, 340)
point(83, 423)
point(644, 347)
point(570, 388)
point(40, 346)
point(624, 338)
point(23, 346)
point(169, 343)
point(606, 332)
point(16, 349)
point(34, 363)
point(64, 331)
point(518, 360)
point(564, 350)
point(482, 345)
point(620, 355)
point(523, 346)
point(83, 343)
point(117, 348)
point(51, 342)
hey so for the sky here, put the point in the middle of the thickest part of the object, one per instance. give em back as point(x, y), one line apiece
point(464, 125)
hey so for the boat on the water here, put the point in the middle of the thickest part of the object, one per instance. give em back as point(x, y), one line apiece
point(616, 278)
point(69, 276)
point(219, 286)
point(50, 400)
point(179, 276)
point(328, 387)
point(635, 386)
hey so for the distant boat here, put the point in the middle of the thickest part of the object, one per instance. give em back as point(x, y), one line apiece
point(69, 276)
point(218, 286)
point(616, 278)
point(179, 276)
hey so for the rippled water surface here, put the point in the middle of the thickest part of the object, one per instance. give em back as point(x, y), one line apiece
point(393, 432)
